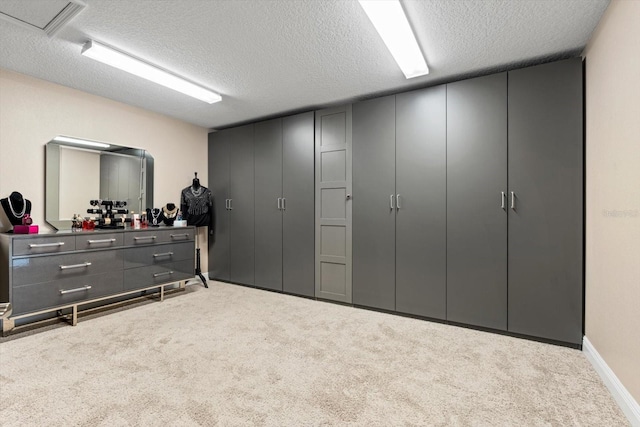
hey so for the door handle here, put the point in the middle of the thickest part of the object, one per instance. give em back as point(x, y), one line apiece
point(513, 200)
point(391, 201)
point(502, 198)
point(284, 204)
point(279, 203)
point(230, 204)
point(398, 201)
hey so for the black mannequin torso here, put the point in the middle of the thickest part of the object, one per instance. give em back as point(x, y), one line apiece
point(16, 207)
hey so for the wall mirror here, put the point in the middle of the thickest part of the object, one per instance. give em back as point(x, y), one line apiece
point(80, 170)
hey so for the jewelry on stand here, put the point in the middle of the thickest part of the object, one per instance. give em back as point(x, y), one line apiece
point(15, 214)
point(170, 213)
point(155, 214)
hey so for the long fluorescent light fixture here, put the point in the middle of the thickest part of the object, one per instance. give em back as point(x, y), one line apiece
point(81, 141)
point(391, 23)
point(124, 62)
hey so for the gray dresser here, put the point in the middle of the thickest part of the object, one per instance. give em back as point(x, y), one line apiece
point(49, 272)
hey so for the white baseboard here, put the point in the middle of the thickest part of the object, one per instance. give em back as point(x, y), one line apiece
point(620, 394)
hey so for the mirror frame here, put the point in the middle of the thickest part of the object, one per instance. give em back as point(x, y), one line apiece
point(52, 179)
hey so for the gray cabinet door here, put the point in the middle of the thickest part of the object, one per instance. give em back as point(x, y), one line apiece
point(421, 191)
point(241, 214)
point(476, 220)
point(546, 222)
point(374, 203)
point(268, 204)
point(333, 204)
point(219, 186)
point(298, 213)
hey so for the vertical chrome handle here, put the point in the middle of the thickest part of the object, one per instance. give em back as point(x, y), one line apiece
point(279, 203)
point(230, 204)
point(226, 204)
point(502, 200)
point(284, 204)
point(513, 200)
point(391, 201)
point(398, 202)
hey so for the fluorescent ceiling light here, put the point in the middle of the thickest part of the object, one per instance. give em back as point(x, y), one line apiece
point(81, 141)
point(392, 25)
point(117, 59)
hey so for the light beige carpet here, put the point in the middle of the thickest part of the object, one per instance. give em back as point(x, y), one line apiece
point(231, 355)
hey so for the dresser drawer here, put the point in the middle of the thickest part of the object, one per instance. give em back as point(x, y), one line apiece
point(157, 254)
point(142, 277)
point(43, 245)
point(55, 267)
point(46, 295)
point(99, 241)
point(158, 235)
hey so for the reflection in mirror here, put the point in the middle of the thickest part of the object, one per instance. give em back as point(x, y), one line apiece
point(78, 171)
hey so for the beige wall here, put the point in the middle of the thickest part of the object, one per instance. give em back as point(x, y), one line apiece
point(33, 111)
point(613, 191)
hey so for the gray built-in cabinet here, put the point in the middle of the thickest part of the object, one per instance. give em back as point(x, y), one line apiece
point(465, 203)
point(231, 250)
point(399, 206)
point(284, 250)
point(545, 249)
point(262, 181)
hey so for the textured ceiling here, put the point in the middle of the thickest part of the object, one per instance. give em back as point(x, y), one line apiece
point(272, 57)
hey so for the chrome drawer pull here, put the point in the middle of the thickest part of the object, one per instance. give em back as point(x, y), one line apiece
point(164, 254)
point(144, 238)
point(45, 245)
point(67, 267)
point(173, 236)
point(101, 241)
point(70, 291)
point(166, 273)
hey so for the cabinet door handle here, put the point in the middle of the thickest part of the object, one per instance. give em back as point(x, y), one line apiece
point(164, 254)
point(69, 267)
point(226, 204)
point(502, 198)
point(166, 273)
point(45, 245)
point(144, 238)
point(185, 235)
point(398, 201)
point(70, 291)
point(279, 203)
point(513, 201)
point(101, 241)
point(391, 201)
point(284, 204)
point(230, 204)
